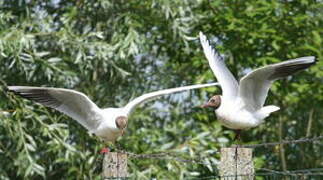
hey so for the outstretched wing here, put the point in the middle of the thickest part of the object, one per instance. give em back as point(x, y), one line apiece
point(70, 102)
point(146, 97)
point(254, 86)
point(228, 83)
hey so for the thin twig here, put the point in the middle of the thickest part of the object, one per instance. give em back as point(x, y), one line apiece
point(212, 8)
point(281, 146)
point(309, 124)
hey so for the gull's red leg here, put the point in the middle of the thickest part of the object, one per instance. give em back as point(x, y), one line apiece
point(104, 150)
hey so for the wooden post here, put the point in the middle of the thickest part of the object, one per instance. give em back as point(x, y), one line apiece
point(236, 164)
point(115, 166)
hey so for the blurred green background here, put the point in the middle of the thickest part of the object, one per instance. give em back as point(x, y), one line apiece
point(115, 50)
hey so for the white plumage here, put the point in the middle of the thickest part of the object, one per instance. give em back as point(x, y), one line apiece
point(241, 106)
point(102, 122)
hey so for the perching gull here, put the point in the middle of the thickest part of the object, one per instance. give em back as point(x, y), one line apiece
point(108, 123)
point(241, 105)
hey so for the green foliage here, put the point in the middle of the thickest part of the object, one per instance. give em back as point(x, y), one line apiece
point(116, 50)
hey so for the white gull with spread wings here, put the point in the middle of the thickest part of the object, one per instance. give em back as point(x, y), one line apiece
point(108, 123)
point(241, 105)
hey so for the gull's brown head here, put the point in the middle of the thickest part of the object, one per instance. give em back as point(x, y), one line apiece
point(121, 123)
point(213, 103)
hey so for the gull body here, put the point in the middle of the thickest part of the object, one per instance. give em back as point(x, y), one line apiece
point(108, 123)
point(241, 105)
point(107, 128)
point(233, 115)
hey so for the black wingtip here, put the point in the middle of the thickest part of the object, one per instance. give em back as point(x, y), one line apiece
point(8, 90)
point(315, 60)
point(289, 69)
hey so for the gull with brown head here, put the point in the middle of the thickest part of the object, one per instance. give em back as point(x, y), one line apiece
point(241, 105)
point(108, 123)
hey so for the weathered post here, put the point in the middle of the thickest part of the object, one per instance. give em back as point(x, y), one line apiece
point(115, 166)
point(236, 164)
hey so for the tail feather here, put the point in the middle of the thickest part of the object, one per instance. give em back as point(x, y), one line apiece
point(266, 110)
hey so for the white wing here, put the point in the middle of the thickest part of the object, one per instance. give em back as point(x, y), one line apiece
point(70, 102)
point(141, 99)
point(228, 83)
point(254, 86)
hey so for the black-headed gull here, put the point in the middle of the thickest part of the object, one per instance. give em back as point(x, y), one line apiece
point(108, 123)
point(241, 105)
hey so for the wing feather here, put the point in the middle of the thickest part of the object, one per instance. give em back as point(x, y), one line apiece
point(72, 103)
point(146, 97)
point(228, 83)
point(254, 86)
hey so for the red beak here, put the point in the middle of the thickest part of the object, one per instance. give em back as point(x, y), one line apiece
point(205, 105)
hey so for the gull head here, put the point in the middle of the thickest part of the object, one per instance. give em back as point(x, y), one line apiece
point(213, 103)
point(121, 123)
